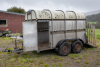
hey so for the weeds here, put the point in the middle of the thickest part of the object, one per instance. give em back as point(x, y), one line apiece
point(74, 56)
point(60, 59)
point(41, 62)
point(80, 57)
point(12, 59)
point(97, 63)
point(8, 52)
point(23, 60)
point(59, 64)
point(15, 56)
point(0, 52)
point(78, 61)
point(9, 48)
point(86, 55)
point(86, 62)
point(26, 56)
point(24, 53)
point(46, 65)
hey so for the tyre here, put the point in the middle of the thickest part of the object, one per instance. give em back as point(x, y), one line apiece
point(77, 47)
point(64, 49)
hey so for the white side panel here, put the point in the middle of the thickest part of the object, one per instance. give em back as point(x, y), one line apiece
point(57, 37)
point(71, 35)
point(70, 25)
point(26, 16)
point(50, 35)
point(81, 24)
point(58, 25)
point(30, 35)
point(81, 35)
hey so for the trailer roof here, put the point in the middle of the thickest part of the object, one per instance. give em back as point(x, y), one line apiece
point(47, 14)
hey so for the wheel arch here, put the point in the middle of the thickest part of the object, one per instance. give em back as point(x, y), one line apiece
point(82, 41)
point(65, 40)
point(60, 42)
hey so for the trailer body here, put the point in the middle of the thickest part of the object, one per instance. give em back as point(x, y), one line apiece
point(42, 30)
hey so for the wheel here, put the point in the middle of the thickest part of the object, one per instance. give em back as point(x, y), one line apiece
point(77, 47)
point(64, 49)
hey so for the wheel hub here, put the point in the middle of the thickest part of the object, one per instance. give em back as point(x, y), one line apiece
point(65, 49)
point(78, 47)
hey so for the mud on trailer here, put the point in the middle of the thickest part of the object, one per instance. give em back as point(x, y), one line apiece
point(65, 31)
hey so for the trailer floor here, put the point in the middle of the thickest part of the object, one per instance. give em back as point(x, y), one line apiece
point(44, 46)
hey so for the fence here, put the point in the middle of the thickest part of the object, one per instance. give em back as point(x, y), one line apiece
point(90, 32)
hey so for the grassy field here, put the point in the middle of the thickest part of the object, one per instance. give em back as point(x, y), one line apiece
point(92, 22)
point(97, 33)
point(89, 57)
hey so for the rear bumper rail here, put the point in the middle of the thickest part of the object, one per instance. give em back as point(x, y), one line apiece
point(13, 51)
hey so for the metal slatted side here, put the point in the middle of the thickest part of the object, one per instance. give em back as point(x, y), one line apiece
point(90, 32)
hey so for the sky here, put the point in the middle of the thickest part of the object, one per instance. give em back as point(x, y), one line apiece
point(66, 5)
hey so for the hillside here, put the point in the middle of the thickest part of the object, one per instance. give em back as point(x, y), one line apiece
point(92, 12)
point(94, 18)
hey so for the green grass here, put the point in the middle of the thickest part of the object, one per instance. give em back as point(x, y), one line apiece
point(92, 22)
point(78, 61)
point(5, 38)
point(59, 65)
point(97, 33)
point(86, 55)
point(41, 62)
point(86, 62)
point(46, 65)
point(75, 56)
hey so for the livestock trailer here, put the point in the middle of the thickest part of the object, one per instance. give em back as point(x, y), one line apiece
point(65, 31)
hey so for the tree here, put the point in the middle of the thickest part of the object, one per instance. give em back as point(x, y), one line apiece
point(93, 18)
point(16, 9)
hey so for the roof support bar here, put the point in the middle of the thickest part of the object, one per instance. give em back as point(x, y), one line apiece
point(51, 24)
point(64, 22)
point(75, 19)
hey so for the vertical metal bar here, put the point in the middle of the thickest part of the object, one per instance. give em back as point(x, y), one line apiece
point(27, 16)
point(64, 22)
point(31, 15)
point(87, 30)
point(75, 19)
point(35, 14)
point(89, 33)
point(92, 35)
point(22, 46)
point(95, 36)
point(37, 29)
point(51, 24)
point(15, 43)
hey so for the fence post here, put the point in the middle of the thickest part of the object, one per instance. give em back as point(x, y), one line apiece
point(94, 36)
point(89, 33)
